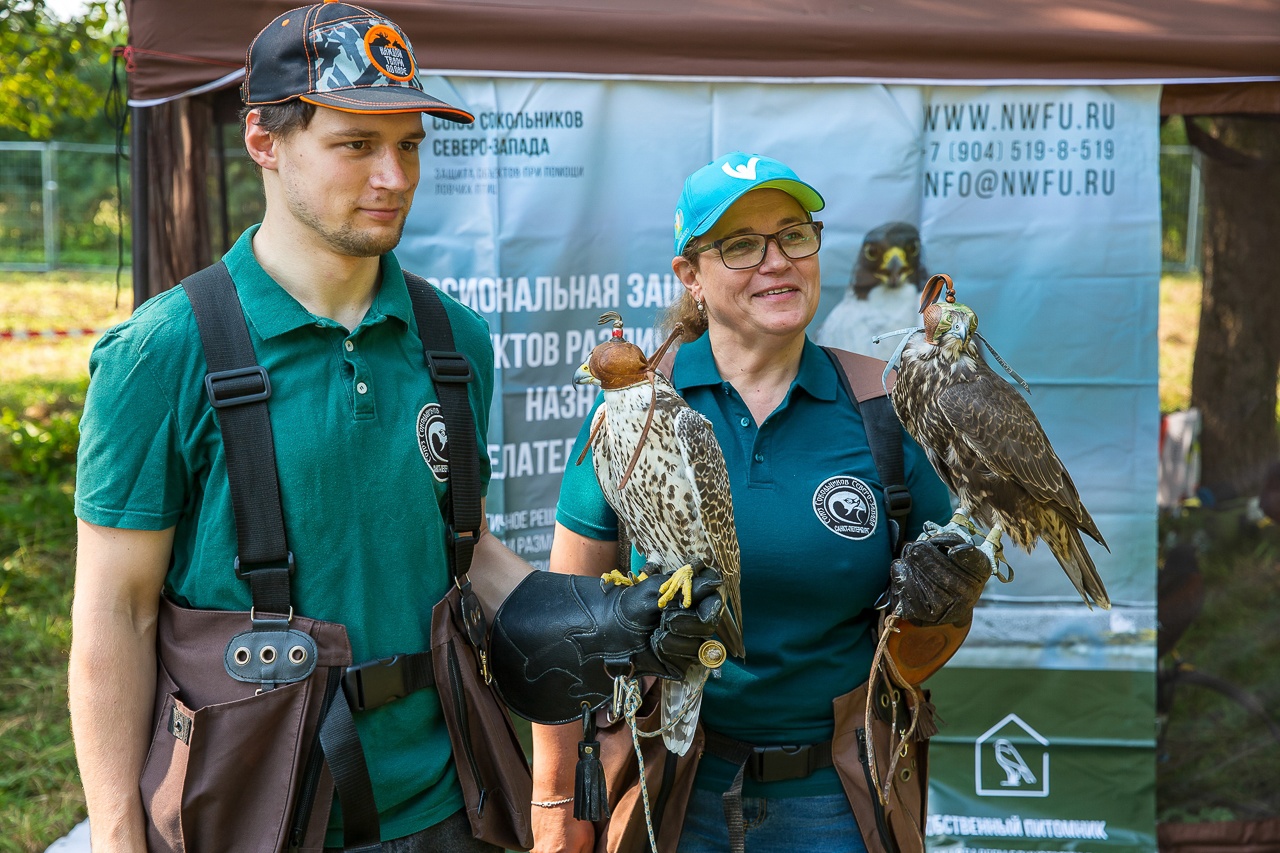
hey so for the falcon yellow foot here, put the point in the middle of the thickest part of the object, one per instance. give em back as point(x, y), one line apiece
point(618, 578)
point(681, 581)
point(994, 549)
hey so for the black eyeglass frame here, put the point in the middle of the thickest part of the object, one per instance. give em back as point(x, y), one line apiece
point(817, 233)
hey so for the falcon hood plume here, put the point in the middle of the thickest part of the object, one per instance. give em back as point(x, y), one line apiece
point(987, 445)
point(662, 471)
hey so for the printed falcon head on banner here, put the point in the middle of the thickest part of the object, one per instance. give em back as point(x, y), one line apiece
point(339, 56)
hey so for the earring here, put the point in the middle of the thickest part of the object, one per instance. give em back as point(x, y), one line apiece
point(702, 309)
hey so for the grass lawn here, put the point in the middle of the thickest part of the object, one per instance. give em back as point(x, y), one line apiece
point(1217, 763)
point(42, 385)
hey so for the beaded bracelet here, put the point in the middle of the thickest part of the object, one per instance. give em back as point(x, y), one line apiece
point(551, 804)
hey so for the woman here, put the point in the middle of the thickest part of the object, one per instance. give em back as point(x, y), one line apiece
point(746, 251)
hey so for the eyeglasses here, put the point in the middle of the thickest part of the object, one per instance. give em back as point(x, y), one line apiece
point(747, 251)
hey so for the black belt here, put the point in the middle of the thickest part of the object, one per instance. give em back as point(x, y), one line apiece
point(762, 764)
point(770, 763)
point(374, 683)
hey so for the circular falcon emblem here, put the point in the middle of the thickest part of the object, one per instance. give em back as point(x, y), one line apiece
point(433, 441)
point(846, 507)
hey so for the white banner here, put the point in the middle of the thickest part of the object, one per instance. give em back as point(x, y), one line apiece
point(1042, 203)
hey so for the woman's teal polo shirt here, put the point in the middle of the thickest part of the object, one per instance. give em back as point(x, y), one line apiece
point(812, 525)
point(349, 413)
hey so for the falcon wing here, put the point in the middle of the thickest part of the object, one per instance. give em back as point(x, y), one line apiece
point(602, 457)
point(704, 463)
point(999, 426)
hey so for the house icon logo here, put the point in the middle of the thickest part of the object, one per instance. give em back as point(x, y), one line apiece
point(1011, 759)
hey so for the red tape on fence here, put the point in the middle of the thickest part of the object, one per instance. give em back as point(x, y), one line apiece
point(54, 334)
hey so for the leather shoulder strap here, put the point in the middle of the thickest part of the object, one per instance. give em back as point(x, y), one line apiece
point(862, 379)
point(862, 373)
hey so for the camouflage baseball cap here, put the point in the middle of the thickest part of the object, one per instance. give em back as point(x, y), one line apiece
point(340, 56)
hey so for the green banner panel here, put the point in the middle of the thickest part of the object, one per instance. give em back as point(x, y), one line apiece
point(1043, 760)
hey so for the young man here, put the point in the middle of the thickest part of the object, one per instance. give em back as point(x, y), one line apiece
point(334, 120)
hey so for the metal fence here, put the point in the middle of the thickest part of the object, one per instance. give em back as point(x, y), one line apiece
point(60, 206)
point(60, 209)
point(1180, 212)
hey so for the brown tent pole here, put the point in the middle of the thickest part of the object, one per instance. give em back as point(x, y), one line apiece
point(140, 209)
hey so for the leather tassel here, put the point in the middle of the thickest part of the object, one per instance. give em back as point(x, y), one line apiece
point(590, 794)
point(927, 725)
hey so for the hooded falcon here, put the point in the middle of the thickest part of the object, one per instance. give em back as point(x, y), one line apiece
point(987, 445)
point(884, 289)
point(662, 471)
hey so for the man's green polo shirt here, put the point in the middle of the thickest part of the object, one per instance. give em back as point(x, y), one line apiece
point(353, 416)
point(814, 533)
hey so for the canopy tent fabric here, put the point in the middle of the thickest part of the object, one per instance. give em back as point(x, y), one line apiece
point(1214, 56)
point(185, 58)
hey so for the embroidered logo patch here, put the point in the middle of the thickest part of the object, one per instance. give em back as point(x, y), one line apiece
point(433, 441)
point(743, 172)
point(846, 507)
point(388, 52)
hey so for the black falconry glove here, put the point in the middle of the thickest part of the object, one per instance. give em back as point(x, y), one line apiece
point(938, 580)
point(933, 588)
point(558, 640)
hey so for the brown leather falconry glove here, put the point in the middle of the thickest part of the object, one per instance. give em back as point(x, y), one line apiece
point(933, 588)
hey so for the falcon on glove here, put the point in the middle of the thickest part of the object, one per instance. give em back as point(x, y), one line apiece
point(559, 640)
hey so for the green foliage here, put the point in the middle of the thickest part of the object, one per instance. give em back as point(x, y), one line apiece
point(44, 448)
point(1173, 131)
point(40, 795)
point(54, 75)
point(1218, 760)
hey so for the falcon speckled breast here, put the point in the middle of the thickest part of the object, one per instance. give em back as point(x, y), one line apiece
point(662, 471)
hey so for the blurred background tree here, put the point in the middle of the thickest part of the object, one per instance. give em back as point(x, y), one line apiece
point(55, 74)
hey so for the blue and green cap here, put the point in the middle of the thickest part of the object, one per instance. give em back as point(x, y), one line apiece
point(711, 190)
point(340, 56)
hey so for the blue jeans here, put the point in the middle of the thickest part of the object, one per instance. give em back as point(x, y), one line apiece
point(774, 825)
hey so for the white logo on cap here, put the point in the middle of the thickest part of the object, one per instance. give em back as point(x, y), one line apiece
point(746, 173)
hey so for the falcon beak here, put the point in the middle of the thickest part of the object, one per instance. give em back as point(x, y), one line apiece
point(583, 376)
point(893, 265)
point(960, 329)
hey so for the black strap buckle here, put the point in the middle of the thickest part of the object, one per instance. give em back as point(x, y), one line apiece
point(374, 683)
point(244, 572)
point(457, 537)
point(237, 387)
point(776, 763)
point(898, 500)
point(453, 367)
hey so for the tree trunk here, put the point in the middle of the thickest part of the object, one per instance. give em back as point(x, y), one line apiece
point(177, 160)
point(1238, 348)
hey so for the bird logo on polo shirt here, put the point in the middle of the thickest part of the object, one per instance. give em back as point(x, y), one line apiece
point(846, 506)
point(433, 441)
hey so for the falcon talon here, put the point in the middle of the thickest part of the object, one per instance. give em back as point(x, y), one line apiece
point(619, 579)
point(681, 581)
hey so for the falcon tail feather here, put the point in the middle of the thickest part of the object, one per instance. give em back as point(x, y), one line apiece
point(679, 737)
point(1068, 547)
point(730, 631)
